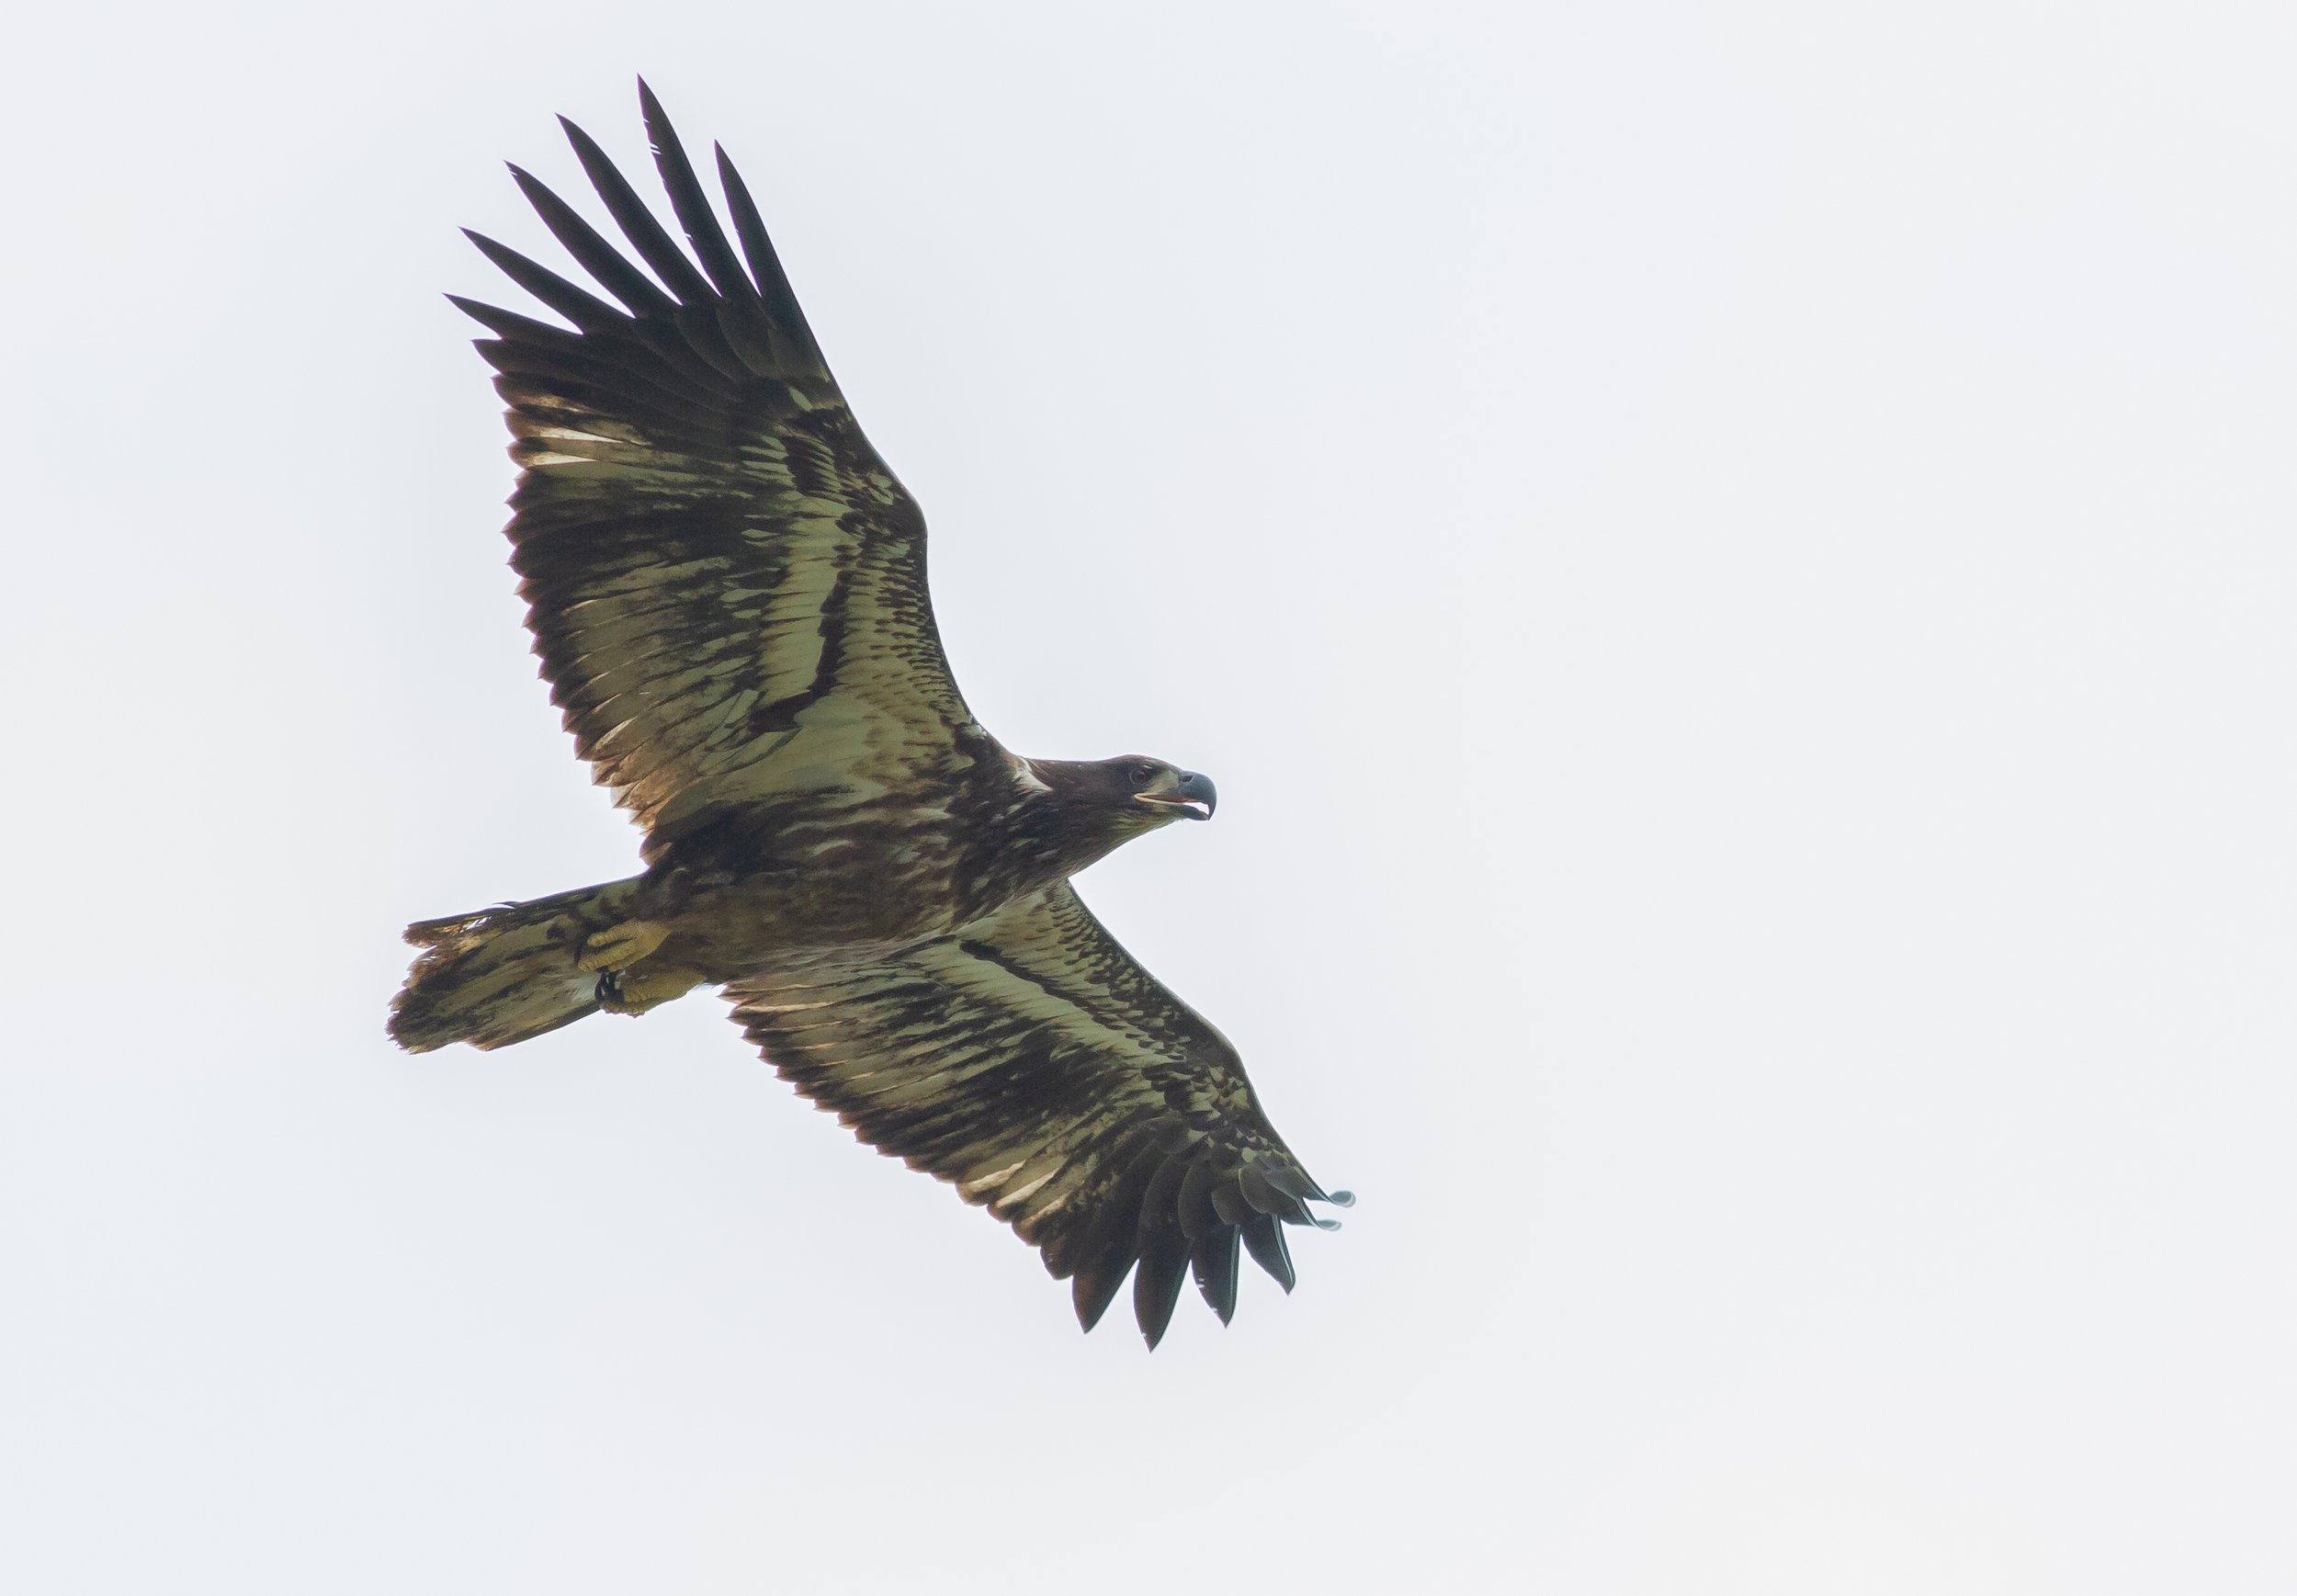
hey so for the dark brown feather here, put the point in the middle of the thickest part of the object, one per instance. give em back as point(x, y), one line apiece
point(1213, 1261)
point(690, 204)
point(1164, 1249)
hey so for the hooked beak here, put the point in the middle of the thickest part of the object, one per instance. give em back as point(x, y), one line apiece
point(1193, 795)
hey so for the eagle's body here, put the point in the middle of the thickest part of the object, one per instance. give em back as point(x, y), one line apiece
point(833, 870)
point(727, 587)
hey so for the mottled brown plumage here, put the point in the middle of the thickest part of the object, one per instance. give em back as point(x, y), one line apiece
point(727, 589)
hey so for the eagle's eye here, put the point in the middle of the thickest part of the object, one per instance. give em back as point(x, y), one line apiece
point(1143, 774)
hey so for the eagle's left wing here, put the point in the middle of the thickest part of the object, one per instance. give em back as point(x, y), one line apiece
point(725, 582)
point(1032, 1063)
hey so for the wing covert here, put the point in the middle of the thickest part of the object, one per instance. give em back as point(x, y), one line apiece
point(1034, 1064)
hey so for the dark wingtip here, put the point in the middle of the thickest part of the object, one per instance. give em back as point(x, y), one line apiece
point(528, 184)
point(477, 311)
point(586, 149)
point(1264, 1239)
point(1155, 1295)
point(498, 253)
point(1214, 1263)
point(1342, 1199)
point(1091, 1291)
point(1164, 1254)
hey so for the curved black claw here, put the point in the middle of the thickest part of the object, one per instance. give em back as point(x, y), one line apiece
point(609, 988)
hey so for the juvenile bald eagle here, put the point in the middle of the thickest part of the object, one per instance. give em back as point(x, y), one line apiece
point(727, 589)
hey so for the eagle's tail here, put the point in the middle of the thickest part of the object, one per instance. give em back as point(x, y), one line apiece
point(504, 974)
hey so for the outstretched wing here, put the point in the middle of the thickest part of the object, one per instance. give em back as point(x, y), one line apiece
point(726, 584)
point(1034, 1064)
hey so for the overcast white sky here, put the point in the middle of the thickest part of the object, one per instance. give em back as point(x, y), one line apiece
point(1734, 567)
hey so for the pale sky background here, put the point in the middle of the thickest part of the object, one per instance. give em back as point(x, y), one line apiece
point(1734, 567)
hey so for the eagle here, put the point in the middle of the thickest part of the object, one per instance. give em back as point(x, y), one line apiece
point(726, 587)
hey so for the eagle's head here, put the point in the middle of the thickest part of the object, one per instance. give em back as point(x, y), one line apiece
point(1103, 802)
point(1150, 792)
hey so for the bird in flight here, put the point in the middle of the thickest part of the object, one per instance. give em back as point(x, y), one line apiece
point(727, 589)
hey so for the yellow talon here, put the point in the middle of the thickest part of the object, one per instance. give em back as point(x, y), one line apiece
point(620, 946)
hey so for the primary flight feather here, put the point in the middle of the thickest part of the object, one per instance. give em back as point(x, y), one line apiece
point(727, 589)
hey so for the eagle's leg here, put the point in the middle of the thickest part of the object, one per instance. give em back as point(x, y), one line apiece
point(620, 946)
point(633, 991)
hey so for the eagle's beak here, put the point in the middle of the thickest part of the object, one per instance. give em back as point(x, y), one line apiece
point(1193, 795)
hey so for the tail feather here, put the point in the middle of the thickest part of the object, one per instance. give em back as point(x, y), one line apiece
point(504, 974)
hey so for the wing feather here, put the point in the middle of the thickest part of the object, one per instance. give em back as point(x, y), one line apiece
point(692, 207)
point(591, 250)
point(1032, 1063)
point(723, 579)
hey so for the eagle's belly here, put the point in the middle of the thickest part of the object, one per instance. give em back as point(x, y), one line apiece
point(814, 886)
point(857, 903)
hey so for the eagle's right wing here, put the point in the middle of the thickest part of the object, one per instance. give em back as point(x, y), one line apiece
point(726, 584)
point(1034, 1064)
